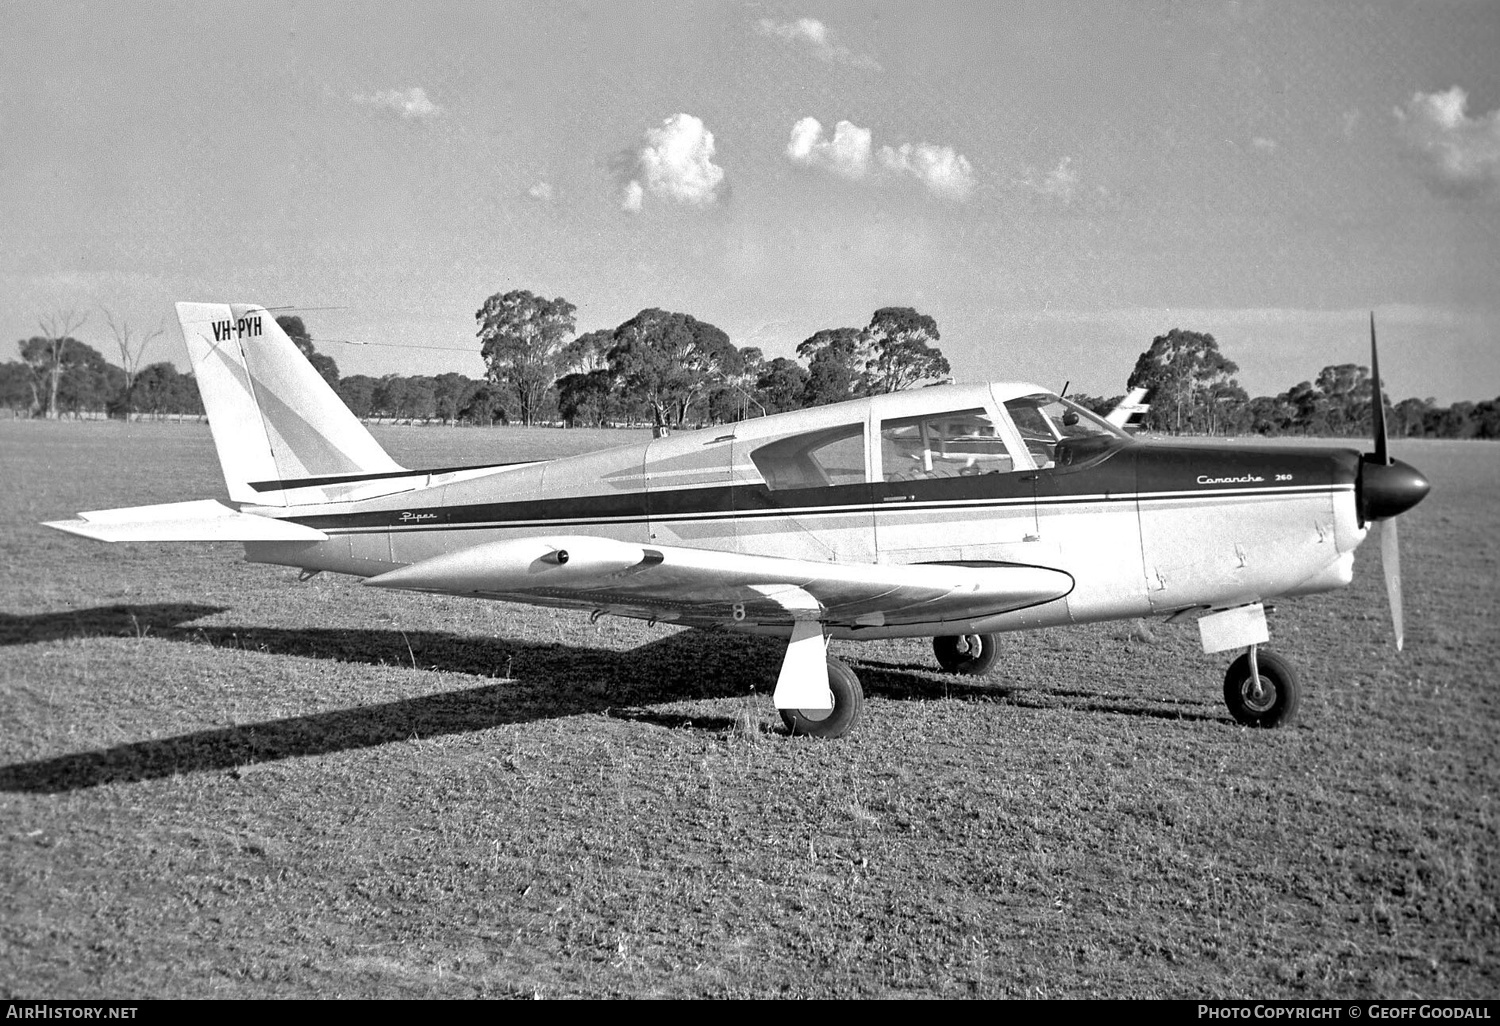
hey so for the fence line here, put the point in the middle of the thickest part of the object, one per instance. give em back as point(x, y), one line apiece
point(172, 418)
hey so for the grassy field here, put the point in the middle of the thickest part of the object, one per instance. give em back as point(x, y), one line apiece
point(216, 781)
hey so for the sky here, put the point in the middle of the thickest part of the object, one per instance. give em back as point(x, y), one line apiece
point(1055, 183)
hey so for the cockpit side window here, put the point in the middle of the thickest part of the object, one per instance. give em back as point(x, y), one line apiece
point(1049, 425)
point(819, 459)
point(962, 443)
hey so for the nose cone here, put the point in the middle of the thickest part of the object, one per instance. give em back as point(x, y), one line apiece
point(1389, 489)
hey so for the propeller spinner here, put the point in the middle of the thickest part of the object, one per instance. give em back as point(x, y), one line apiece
point(1387, 488)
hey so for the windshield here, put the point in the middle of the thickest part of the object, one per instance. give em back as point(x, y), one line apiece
point(1061, 433)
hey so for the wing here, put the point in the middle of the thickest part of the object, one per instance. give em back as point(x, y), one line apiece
point(703, 587)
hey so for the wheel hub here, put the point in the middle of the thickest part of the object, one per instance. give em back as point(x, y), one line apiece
point(818, 715)
point(1259, 694)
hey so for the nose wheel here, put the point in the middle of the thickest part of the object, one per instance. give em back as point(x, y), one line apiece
point(1262, 689)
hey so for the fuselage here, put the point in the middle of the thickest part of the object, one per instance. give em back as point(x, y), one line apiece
point(976, 475)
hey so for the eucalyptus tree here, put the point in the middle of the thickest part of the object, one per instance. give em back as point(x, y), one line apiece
point(47, 354)
point(521, 337)
point(903, 353)
point(1185, 375)
point(836, 360)
point(325, 365)
point(669, 361)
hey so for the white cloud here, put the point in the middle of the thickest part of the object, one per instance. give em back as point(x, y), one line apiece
point(541, 191)
point(675, 163)
point(846, 154)
point(1060, 184)
point(943, 170)
point(1460, 154)
point(409, 103)
point(808, 30)
point(812, 33)
point(631, 200)
point(1263, 144)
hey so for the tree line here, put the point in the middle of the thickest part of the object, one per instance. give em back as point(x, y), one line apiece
point(1192, 390)
point(671, 370)
point(62, 376)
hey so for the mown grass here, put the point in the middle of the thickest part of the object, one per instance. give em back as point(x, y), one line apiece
point(216, 781)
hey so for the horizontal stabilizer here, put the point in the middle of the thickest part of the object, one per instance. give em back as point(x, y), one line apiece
point(203, 520)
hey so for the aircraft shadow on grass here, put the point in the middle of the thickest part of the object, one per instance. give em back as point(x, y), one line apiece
point(882, 679)
point(530, 682)
point(101, 622)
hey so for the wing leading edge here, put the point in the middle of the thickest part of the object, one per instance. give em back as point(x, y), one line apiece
point(701, 586)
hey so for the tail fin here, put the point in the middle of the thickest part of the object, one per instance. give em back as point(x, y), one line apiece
point(276, 423)
point(1131, 411)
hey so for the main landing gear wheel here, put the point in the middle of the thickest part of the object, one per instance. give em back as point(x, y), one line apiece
point(969, 654)
point(1270, 701)
point(848, 703)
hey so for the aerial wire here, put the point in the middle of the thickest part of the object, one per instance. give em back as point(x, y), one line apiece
point(397, 345)
point(363, 342)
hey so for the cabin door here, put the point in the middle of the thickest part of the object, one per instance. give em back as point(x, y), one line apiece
point(946, 489)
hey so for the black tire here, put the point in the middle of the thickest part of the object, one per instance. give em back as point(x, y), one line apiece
point(848, 705)
point(968, 654)
point(1280, 691)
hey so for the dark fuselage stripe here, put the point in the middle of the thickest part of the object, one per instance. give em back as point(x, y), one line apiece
point(415, 519)
point(1141, 476)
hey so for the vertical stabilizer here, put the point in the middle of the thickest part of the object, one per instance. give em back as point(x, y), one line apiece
point(1130, 413)
point(274, 419)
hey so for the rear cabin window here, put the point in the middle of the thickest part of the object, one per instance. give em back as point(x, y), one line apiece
point(819, 459)
point(964, 443)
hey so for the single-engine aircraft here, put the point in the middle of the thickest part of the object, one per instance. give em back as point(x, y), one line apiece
point(952, 512)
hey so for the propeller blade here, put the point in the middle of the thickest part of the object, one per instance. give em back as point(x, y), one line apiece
point(1388, 487)
point(1377, 400)
point(1390, 562)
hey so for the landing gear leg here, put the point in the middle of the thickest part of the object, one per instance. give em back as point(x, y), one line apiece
point(1262, 689)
